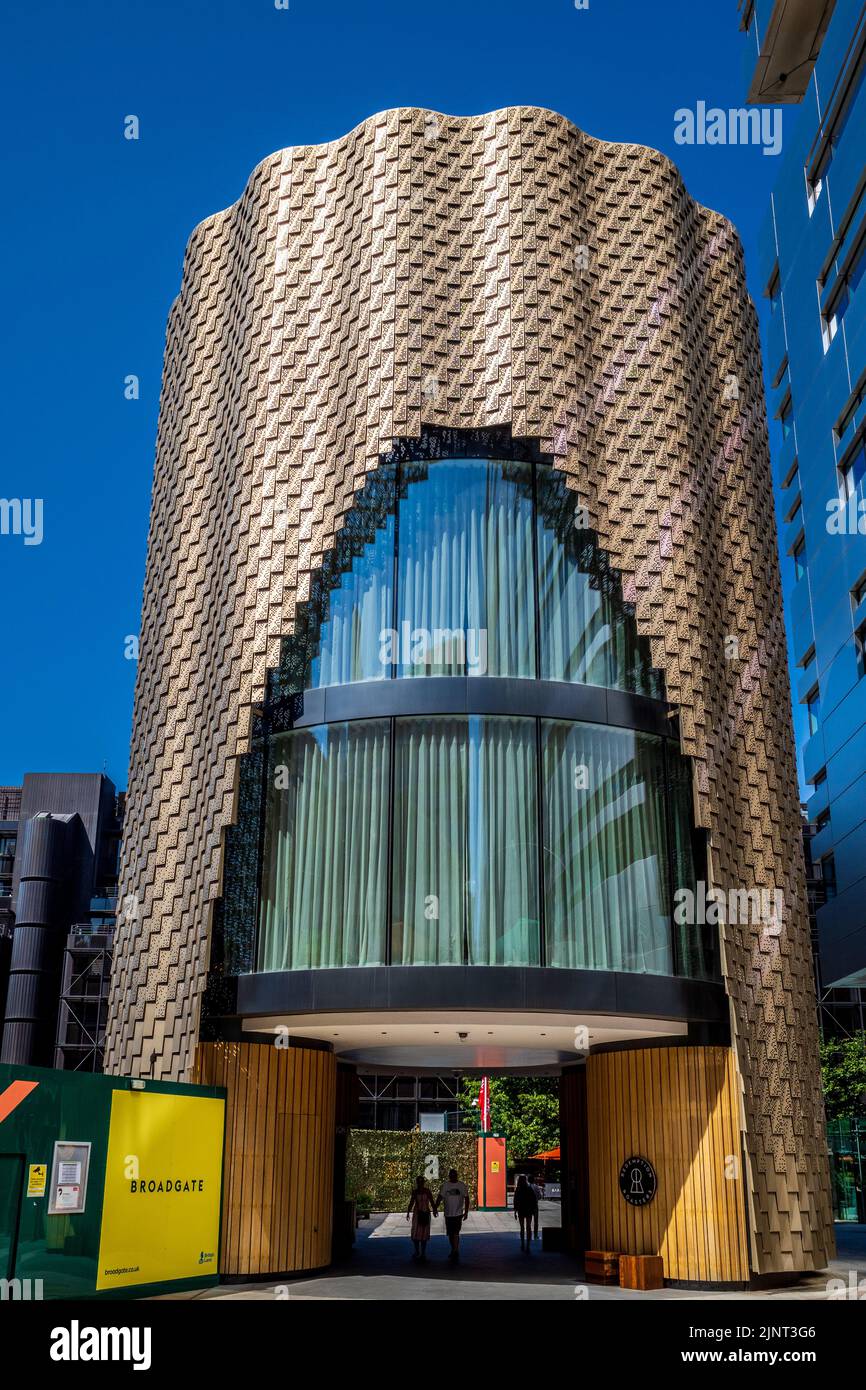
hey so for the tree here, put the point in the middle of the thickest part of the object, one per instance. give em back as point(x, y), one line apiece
point(524, 1109)
point(843, 1068)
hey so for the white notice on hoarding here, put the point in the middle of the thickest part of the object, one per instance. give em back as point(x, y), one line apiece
point(68, 1173)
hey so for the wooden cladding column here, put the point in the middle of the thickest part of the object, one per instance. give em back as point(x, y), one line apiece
point(279, 1154)
point(676, 1106)
point(574, 1149)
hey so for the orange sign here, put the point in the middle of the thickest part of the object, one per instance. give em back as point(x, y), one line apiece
point(12, 1097)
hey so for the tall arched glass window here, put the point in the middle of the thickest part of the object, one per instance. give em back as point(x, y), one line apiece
point(478, 568)
point(404, 831)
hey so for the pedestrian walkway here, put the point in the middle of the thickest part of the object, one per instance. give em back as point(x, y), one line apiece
point(478, 1223)
point(493, 1267)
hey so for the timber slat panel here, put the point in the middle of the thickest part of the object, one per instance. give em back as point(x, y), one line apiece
point(676, 1106)
point(278, 1174)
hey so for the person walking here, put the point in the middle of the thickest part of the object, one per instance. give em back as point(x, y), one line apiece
point(454, 1198)
point(525, 1210)
point(420, 1210)
point(538, 1189)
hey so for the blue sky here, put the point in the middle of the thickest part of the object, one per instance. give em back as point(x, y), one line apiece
point(95, 229)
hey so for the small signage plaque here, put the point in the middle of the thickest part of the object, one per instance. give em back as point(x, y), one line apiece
point(637, 1181)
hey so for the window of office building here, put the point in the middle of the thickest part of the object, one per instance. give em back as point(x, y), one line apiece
point(834, 124)
point(786, 417)
point(828, 875)
point(853, 473)
point(843, 293)
point(798, 554)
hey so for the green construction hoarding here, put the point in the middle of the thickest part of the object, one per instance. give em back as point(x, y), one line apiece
point(108, 1186)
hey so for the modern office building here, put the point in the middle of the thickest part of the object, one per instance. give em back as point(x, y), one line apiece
point(841, 1009)
point(60, 841)
point(813, 257)
point(462, 684)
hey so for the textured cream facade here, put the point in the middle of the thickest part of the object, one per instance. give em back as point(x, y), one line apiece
point(509, 270)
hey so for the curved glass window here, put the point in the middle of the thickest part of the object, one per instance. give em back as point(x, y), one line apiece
point(607, 903)
point(464, 572)
point(473, 870)
point(439, 838)
point(588, 634)
point(357, 613)
point(324, 872)
point(469, 566)
point(465, 842)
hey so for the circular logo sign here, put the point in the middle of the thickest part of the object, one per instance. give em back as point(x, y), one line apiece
point(637, 1181)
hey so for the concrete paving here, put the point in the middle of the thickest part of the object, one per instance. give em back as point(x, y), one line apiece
point(493, 1267)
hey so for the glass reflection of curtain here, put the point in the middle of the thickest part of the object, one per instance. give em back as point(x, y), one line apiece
point(503, 843)
point(607, 898)
point(465, 566)
point(465, 847)
point(358, 614)
point(325, 862)
point(430, 807)
point(577, 636)
point(695, 949)
point(587, 634)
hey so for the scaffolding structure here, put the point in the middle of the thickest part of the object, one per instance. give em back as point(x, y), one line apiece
point(83, 1009)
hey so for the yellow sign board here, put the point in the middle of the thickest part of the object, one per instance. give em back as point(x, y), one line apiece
point(161, 1206)
point(494, 1165)
point(37, 1175)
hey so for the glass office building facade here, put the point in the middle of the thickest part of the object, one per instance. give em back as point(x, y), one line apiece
point(813, 261)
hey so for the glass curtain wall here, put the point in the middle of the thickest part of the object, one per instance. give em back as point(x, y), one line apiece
point(465, 572)
point(465, 842)
point(324, 871)
point(357, 612)
point(475, 871)
point(480, 551)
point(607, 889)
point(486, 840)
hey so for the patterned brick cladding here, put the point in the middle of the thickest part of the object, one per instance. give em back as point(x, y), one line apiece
point(503, 269)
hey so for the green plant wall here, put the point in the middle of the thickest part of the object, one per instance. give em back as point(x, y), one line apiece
point(383, 1164)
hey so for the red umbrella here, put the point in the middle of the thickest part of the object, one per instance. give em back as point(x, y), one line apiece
point(549, 1153)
